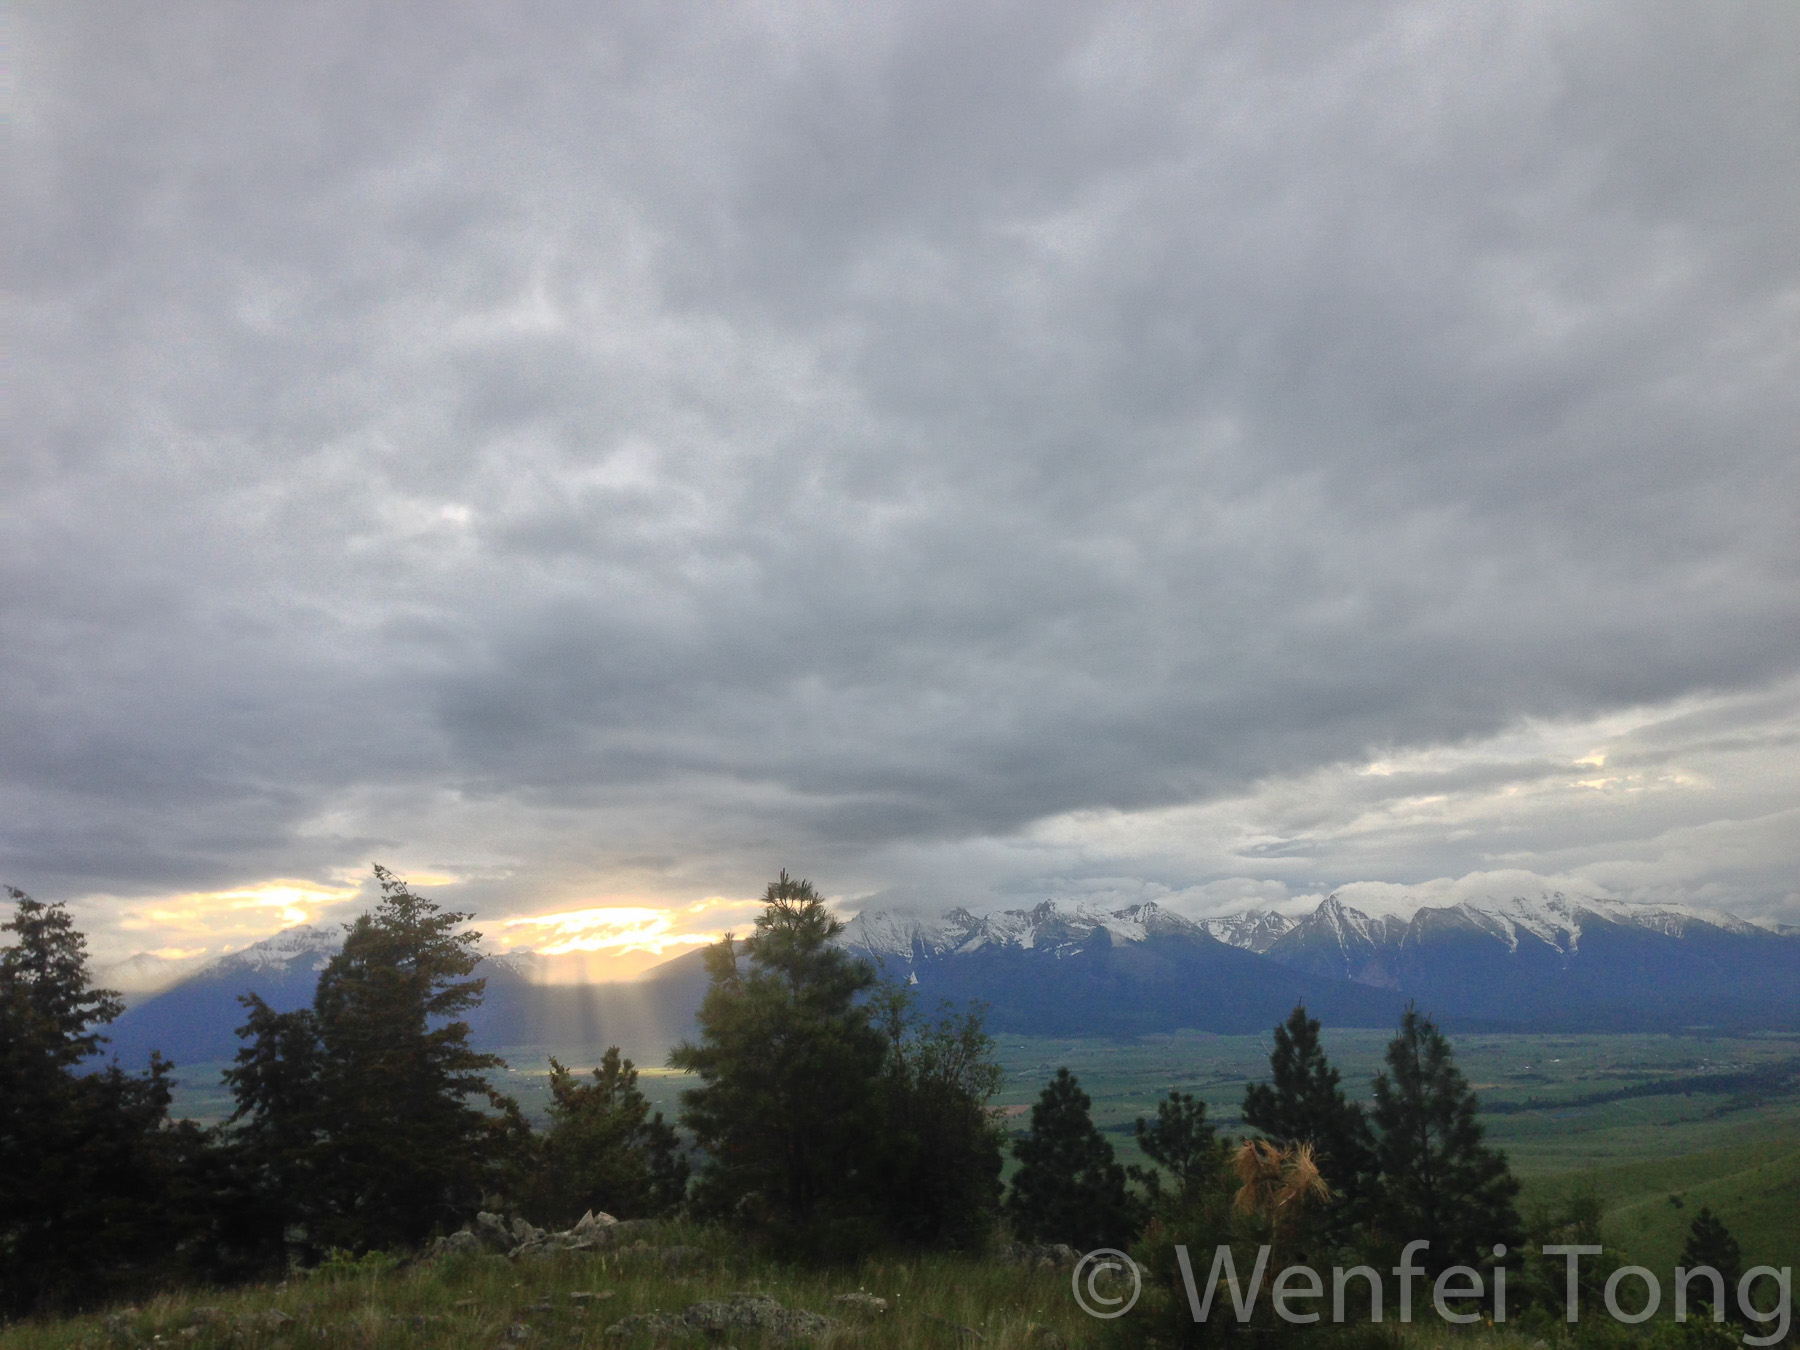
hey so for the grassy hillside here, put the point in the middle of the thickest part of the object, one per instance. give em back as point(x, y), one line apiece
point(1659, 1125)
point(477, 1303)
point(1754, 1187)
point(572, 1299)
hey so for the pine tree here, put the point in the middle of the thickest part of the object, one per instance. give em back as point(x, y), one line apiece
point(789, 1058)
point(1304, 1104)
point(1438, 1180)
point(51, 1007)
point(1068, 1187)
point(604, 1150)
point(357, 1116)
point(278, 1133)
point(91, 1172)
point(1182, 1140)
point(938, 1146)
point(1710, 1243)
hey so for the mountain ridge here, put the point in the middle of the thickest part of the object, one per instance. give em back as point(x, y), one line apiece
point(1547, 963)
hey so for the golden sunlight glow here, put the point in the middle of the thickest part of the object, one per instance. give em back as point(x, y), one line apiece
point(607, 928)
point(609, 942)
point(221, 921)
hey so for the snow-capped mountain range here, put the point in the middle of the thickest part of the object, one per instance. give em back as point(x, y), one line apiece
point(1548, 960)
point(1552, 918)
point(302, 949)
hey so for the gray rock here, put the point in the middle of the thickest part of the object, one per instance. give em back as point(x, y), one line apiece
point(656, 1323)
point(592, 1224)
point(460, 1242)
point(492, 1231)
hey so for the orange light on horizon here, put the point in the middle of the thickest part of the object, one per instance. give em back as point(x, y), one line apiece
point(602, 929)
point(247, 909)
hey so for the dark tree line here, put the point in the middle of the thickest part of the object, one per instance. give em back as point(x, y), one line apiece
point(1416, 1166)
point(94, 1183)
point(830, 1118)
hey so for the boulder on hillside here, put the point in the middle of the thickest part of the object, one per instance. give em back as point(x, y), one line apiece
point(492, 1233)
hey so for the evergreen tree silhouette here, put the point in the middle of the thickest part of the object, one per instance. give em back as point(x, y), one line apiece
point(1438, 1180)
point(1182, 1140)
point(94, 1181)
point(1304, 1104)
point(788, 1057)
point(1710, 1243)
point(357, 1115)
point(1068, 1187)
point(605, 1150)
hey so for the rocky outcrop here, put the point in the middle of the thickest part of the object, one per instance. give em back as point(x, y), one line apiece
point(492, 1233)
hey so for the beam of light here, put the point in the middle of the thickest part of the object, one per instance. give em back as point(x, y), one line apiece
point(606, 928)
point(603, 943)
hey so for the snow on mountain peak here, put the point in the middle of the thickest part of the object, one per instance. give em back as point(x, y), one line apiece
point(1551, 917)
point(1254, 930)
point(302, 943)
point(903, 934)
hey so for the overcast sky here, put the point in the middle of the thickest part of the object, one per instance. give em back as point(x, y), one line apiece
point(597, 455)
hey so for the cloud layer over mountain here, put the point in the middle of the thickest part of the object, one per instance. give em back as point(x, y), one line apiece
point(620, 451)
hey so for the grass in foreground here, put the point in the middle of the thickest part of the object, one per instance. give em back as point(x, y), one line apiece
point(484, 1302)
point(570, 1299)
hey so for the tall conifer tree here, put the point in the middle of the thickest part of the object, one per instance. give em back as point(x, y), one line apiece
point(1183, 1140)
point(1439, 1181)
point(605, 1149)
point(357, 1115)
point(788, 1059)
point(1304, 1103)
point(1069, 1188)
point(90, 1167)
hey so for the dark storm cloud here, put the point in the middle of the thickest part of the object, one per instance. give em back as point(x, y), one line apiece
point(735, 433)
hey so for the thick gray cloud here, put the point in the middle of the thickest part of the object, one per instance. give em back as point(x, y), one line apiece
point(638, 447)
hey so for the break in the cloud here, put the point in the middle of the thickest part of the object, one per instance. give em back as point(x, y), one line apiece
point(604, 454)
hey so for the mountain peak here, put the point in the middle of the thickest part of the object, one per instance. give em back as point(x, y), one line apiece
point(1049, 925)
